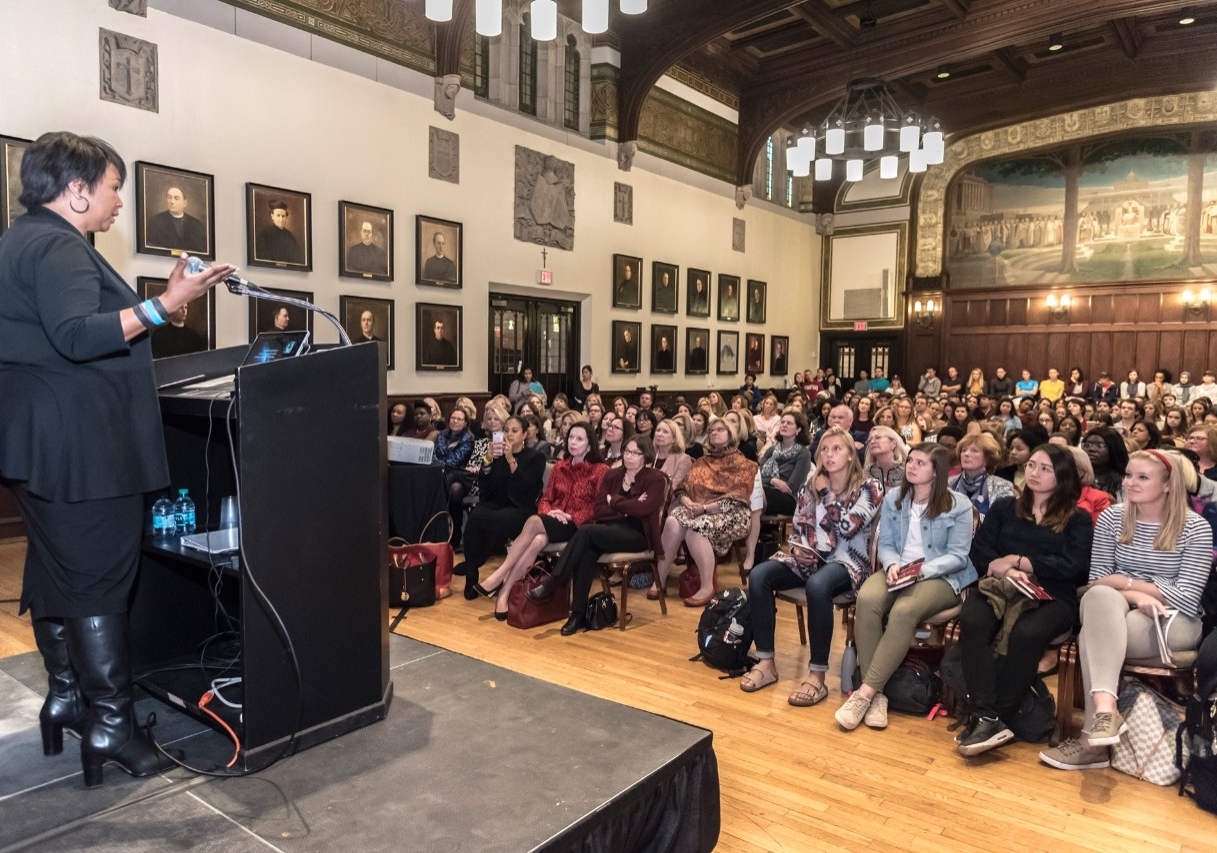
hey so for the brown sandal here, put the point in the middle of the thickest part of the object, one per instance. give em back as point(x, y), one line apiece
point(805, 698)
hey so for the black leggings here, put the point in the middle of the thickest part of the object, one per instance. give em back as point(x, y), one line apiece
point(459, 483)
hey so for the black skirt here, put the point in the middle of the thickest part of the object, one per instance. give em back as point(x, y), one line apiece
point(557, 531)
point(81, 557)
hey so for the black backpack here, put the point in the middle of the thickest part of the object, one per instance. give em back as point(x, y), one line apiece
point(724, 633)
point(1199, 777)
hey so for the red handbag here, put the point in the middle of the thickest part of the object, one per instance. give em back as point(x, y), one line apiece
point(523, 612)
point(440, 552)
point(690, 580)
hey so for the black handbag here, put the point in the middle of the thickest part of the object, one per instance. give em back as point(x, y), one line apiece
point(601, 611)
point(412, 580)
point(914, 688)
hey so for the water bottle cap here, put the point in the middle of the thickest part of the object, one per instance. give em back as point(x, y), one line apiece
point(183, 492)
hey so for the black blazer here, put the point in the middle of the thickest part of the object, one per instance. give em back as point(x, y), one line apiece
point(79, 415)
point(522, 488)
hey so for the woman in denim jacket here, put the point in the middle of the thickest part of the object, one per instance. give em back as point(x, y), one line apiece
point(923, 520)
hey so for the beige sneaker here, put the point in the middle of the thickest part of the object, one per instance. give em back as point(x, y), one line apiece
point(1106, 728)
point(876, 714)
point(850, 714)
point(1072, 755)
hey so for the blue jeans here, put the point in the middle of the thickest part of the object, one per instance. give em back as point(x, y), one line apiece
point(771, 576)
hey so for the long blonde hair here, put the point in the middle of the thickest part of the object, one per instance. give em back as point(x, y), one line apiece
point(857, 475)
point(1180, 478)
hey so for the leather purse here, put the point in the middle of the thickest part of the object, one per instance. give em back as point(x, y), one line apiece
point(523, 612)
point(601, 611)
point(690, 580)
point(411, 577)
point(439, 551)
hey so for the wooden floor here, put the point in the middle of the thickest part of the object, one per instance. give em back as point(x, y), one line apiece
point(791, 780)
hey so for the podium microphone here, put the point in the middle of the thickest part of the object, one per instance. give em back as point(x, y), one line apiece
point(244, 287)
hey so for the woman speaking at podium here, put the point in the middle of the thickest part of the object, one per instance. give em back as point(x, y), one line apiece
point(80, 438)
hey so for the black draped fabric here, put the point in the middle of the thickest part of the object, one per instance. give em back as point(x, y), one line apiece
point(674, 810)
point(416, 494)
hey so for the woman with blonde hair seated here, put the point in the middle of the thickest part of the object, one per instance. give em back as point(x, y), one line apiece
point(885, 455)
point(979, 456)
point(1149, 564)
point(922, 521)
point(670, 456)
point(711, 510)
point(741, 421)
point(834, 518)
point(768, 417)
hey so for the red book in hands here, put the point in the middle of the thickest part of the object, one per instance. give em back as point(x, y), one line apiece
point(1031, 589)
point(906, 575)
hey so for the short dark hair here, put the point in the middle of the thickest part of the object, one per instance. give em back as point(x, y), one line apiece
point(60, 157)
point(644, 444)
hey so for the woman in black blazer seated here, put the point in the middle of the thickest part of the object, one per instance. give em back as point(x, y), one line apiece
point(628, 510)
point(76, 358)
point(508, 489)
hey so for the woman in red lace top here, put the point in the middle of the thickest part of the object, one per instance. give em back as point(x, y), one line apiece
point(568, 502)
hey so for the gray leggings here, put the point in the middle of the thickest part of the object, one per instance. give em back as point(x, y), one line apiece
point(1112, 632)
point(885, 622)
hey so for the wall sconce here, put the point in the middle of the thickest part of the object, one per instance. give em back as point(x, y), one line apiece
point(1058, 309)
point(1197, 304)
point(924, 312)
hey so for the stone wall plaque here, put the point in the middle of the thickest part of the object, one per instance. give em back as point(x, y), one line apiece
point(444, 155)
point(623, 203)
point(134, 7)
point(128, 71)
point(737, 235)
point(544, 199)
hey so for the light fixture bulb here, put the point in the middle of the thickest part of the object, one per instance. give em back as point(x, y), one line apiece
point(872, 134)
point(943, 72)
point(1187, 16)
point(834, 140)
point(889, 167)
point(1065, 301)
point(929, 307)
point(544, 20)
point(807, 146)
point(595, 16)
point(824, 169)
point(439, 10)
point(1051, 300)
point(488, 20)
point(910, 132)
point(802, 167)
point(917, 307)
point(633, 7)
point(1056, 41)
point(1206, 296)
point(853, 170)
point(917, 161)
point(792, 156)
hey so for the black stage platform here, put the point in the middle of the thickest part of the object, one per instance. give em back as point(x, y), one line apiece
point(471, 757)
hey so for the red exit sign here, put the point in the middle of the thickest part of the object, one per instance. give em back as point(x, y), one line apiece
point(859, 325)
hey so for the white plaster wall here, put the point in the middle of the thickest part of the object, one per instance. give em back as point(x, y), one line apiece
point(247, 112)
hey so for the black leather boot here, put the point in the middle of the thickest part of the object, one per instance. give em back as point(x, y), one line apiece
point(577, 622)
point(65, 705)
point(98, 646)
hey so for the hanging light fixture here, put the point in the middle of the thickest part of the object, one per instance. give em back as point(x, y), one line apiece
point(488, 17)
point(544, 20)
point(438, 10)
point(633, 7)
point(867, 127)
point(595, 16)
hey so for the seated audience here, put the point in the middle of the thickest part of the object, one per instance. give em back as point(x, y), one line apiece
point(670, 456)
point(906, 423)
point(1108, 458)
point(1144, 435)
point(1019, 444)
point(785, 465)
point(1151, 559)
point(741, 422)
point(1042, 536)
point(768, 418)
point(922, 521)
point(1202, 440)
point(534, 438)
point(862, 422)
point(884, 458)
point(834, 519)
point(453, 450)
point(615, 429)
point(566, 503)
point(979, 456)
point(1026, 388)
point(1093, 500)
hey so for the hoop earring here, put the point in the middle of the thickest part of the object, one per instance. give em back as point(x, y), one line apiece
point(74, 210)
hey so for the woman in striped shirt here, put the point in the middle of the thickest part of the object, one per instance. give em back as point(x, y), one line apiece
point(1149, 563)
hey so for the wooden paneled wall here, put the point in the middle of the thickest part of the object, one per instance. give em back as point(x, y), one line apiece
point(1114, 328)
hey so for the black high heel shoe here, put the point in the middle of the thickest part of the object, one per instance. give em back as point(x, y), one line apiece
point(486, 593)
point(501, 616)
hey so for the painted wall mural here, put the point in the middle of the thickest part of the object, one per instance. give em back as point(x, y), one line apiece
point(1140, 208)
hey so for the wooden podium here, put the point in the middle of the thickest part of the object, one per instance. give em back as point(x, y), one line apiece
point(307, 436)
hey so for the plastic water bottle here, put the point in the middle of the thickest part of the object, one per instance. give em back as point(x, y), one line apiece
point(183, 512)
point(164, 522)
point(735, 634)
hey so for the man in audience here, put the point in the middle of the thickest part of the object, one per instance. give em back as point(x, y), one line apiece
point(1130, 411)
point(1207, 387)
point(986, 406)
point(1105, 390)
point(842, 416)
point(862, 386)
point(1001, 385)
point(930, 384)
point(877, 383)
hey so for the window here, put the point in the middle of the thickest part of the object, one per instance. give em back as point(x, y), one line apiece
point(769, 169)
point(481, 66)
point(528, 68)
point(570, 94)
point(789, 190)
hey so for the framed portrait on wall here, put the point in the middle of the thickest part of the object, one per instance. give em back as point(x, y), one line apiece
point(627, 281)
point(438, 252)
point(697, 351)
point(755, 312)
point(192, 328)
point(754, 353)
point(779, 354)
point(697, 293)
point(266, 315)
point(365, 241)
point(174, 211)
point(368, 319)
point(663, 348)
point(728, 353)
point(728, 298)
point(626, 335)
point(12, 152)
point(438, 336)
point(665, 288)
point(278, 228)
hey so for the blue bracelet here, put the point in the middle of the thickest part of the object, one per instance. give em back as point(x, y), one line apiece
point(154, 312)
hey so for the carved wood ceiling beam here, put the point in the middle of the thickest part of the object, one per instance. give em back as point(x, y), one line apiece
point(826, 23)
point(448, 38)
point(1008, 61)
point(1129, 36)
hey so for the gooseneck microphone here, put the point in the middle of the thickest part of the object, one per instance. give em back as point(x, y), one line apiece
point(244, 287)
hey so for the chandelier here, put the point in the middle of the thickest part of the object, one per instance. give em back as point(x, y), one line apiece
point(488, 15)
point(866, 125)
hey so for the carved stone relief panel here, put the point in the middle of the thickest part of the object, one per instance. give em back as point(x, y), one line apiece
point(544, 199)
point(444, 155)
point(134, 7)
point(737, 235)
point(623, 203)
point(128, 72)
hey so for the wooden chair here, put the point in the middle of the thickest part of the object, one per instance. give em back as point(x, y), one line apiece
point(629, 562)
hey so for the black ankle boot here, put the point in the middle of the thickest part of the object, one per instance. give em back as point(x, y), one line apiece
point(98, 646)
point(576, 622)
point(65, 705)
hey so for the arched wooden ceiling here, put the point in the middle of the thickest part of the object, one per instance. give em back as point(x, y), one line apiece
point(789, 61)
